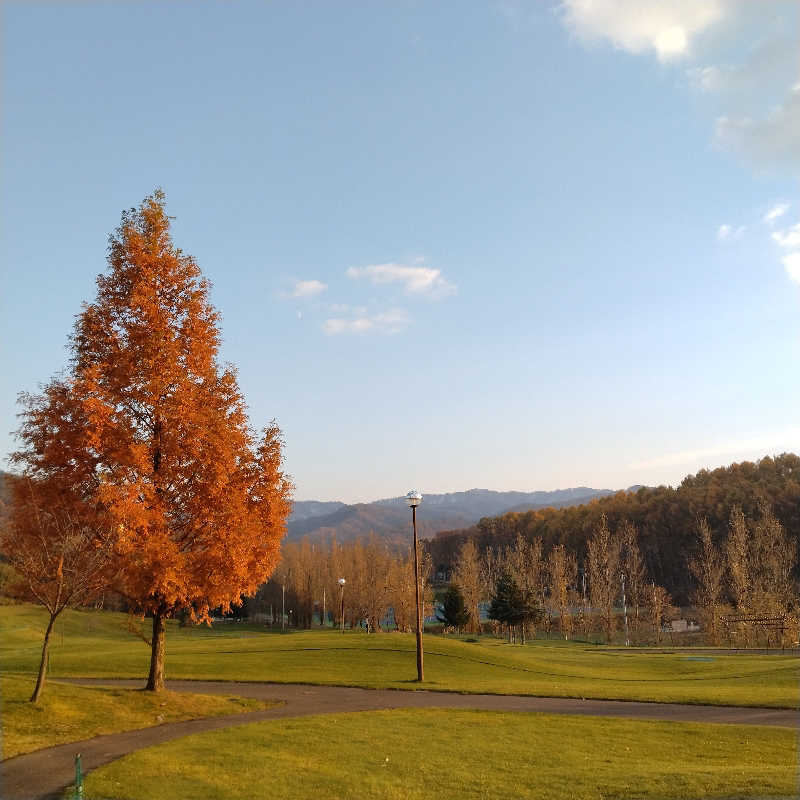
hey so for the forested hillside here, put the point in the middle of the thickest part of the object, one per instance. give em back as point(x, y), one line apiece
point(666, 518)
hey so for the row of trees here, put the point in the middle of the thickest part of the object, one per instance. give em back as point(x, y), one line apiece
point(745, 585)
point(563, 593)
point(379, 584)
point(665, 518)
point(741, 587)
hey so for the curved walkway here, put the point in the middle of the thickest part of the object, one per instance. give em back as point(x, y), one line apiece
point(43, 774)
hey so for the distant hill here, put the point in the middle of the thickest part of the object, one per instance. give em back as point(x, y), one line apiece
point(389, 517)
point(665, 517)
point(306, 509)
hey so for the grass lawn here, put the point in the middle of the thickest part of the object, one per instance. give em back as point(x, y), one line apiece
point(71, 713)
point(459, 754)
point(93, 643)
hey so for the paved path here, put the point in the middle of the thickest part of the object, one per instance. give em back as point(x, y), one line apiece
point(44, 774)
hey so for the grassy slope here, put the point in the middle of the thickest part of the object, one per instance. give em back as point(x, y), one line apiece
point(97, 644)
point(459, 754)
point(72, 713)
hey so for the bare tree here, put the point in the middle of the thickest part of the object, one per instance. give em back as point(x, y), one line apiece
point(634, 569)
point(708, 569)
point(60, 548)
point(773, 556)
point(563, 570)
point(737, 551)
point(660, 607)
point(467, 576)
point(604, 567)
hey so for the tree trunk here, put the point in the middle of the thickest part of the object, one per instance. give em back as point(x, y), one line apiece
point(43, 664)
point(155, 682)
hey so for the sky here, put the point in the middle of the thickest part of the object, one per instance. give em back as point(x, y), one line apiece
point(507, 245)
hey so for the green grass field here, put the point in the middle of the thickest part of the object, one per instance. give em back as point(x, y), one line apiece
point(97, 644)
point(71, 713)
point(459, 754)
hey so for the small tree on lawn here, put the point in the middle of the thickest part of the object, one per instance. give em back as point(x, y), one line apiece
point(59, 548)
point(151, 427)
point(512, 606)
point(454, 610)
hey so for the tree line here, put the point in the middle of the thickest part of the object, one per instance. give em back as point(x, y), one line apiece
point(377, 593)
point(743, 589)
point(665, 519)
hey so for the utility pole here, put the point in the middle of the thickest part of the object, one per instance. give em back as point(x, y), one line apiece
point(283, 605)
point(324, 615)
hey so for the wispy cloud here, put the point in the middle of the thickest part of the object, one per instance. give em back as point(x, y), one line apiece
point(394, 320)
point(664, 27)
point(788, 237)
point(791, 263)
point(766, 137)
point(308, 288)
point(726, 233)
point(775, 213)
point(761, 444)
point(771, 141)
point(415, 280)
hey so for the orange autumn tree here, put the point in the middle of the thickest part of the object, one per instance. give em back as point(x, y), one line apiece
point(158, 428)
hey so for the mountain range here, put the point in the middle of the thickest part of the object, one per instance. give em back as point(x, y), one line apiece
point(389, 518)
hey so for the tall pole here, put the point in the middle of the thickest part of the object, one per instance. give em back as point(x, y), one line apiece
point(420, 676)
point(625, 611)
point(341, 614)
point(324, 614)
point(283, 606)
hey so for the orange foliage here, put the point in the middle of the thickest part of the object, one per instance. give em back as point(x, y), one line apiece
point(149, 423)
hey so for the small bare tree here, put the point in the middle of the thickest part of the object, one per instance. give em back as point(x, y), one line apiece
point(660, 607)
point(61, 550)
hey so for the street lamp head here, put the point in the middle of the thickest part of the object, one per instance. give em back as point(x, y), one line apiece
point(413, 498)
point(342, 581)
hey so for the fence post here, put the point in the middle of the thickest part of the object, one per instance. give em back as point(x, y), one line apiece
point(78, 778)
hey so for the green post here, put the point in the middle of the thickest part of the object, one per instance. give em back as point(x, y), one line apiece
point(78, 778)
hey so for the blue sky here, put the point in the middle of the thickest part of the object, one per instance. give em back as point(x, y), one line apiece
point(502, 245)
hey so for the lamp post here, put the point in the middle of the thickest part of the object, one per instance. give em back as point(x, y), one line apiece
point(342, 582)
point(414, 498)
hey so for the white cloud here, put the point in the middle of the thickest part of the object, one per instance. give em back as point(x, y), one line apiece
point(414, 279)
point(394, 320)
point(770, 60)
point(771, 141)
point(777, 441)
point(789, 237)
point(776, 212)
point(726, 233)
point(791, 263)
point(308, 288)
point(339, 325)
point(665, 27)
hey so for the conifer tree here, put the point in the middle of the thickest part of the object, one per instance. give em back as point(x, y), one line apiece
point(454, 610)
point(148, 424)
